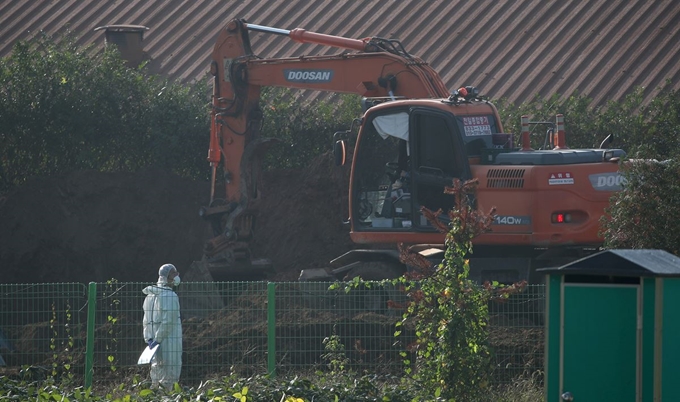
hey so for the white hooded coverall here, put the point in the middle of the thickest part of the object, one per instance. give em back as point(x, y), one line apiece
point(162, 324)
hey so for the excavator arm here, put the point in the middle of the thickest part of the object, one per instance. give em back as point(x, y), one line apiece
point(379, 67)
point(371, 67)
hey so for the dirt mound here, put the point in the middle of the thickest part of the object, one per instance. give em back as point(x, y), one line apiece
point(304, 211)
point(90, 226)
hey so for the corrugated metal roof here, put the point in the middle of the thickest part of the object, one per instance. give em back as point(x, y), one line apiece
point(641, 262)
point(513, 49)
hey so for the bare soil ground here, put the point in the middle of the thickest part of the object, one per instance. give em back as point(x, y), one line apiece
point(90, 226)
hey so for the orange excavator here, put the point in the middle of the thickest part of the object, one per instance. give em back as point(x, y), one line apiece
point(414, 137)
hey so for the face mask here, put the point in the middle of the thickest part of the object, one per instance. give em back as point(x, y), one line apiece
point(175, 280)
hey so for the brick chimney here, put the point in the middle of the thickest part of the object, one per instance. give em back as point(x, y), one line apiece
point(129, 39)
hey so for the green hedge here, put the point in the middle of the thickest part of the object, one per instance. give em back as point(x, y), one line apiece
point(70, 108)
point(642, 130)
point(65, 107)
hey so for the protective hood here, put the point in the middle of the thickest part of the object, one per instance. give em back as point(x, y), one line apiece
point(163, 273)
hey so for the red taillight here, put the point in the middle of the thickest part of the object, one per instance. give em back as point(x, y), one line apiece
point(561, 217)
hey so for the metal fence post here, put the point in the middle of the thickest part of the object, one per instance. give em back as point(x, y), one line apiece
point(89, 343)
point(271, 328)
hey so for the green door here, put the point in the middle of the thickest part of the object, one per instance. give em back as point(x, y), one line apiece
point(599, 333)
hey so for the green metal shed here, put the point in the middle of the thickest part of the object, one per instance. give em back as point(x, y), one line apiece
point(613, 328)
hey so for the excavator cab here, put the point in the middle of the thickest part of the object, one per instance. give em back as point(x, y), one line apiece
point(404, 158)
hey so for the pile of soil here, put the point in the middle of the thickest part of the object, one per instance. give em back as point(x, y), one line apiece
point(91, 226)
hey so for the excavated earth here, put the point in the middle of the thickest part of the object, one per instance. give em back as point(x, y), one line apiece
point(90, 226)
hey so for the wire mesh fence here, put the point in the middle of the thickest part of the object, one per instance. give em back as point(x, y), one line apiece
point(241, 328)
point(516, 335)
point(42, 328)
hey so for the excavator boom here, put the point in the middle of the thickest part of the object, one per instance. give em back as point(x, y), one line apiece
point(375, 67)
point(379, 68)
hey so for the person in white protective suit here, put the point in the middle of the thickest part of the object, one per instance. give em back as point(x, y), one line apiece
point(162, 326)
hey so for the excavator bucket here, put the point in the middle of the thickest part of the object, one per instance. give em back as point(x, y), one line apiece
point(200, 295)
point(230, 262)
point(198, 272)
point(210, 285)
point(239, 270)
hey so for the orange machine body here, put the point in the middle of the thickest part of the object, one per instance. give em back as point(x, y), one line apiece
point(545, 199)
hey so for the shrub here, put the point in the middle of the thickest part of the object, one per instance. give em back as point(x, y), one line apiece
point(449, 312)
point(305, 128)
point(68, 108)
point(644, 130)
point(643, 214)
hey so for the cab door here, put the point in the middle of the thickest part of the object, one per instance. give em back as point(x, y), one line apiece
point(437, 157)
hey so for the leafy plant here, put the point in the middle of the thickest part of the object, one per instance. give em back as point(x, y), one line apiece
point(112, 319)
point(643, 214)
point(67, 107)
point(649, 130)
point(62, 352)
point(335, 356)
point(335, 388)
point(242, 395)
point(53, 341)
point(447, 310)
point(305, 128)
